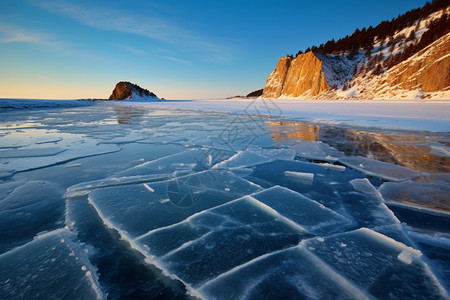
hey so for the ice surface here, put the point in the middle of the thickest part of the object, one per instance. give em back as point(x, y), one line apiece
point(319, 268)
point(52, 266)
point(281, 153)
point(431, 116)
point(30, 152)
point(339, 191)
point(309, 214)
point(27, 209)
point(85, 188)
point(425, 194)
point(379, 169)
point(229, 231)
point(133, 210)
point(191, 160)
point(316, 150)
point(252, 157)
point(379, 265)
point(398, 232)
point(34, 156)
point(322, 188)
point(306, 178)
point(243, 159)
point(6, 104)
point(332, 167)
point(219, 239)
point(436, 248)
point(366, 205)
point(289, 274)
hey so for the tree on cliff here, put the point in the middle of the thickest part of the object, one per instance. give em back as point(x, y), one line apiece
point(362, 38)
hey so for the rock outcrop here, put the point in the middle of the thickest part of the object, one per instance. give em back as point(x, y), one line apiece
point(302, 76)
point(275, 81)
point(128, 91)
point(254, 94)
point(428, 70)
point(411, 64)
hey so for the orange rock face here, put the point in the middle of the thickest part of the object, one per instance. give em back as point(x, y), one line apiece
point(275, 81)
point(296, 77)
point(121, 91)
point(310, 76)
point(126, 90)
point(428, 69)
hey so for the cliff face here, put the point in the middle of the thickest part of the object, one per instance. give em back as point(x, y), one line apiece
point(296, 77)
point(275, 81)
point(316, 76)
point(126, 90)
point(428, 70)
point(406, 65)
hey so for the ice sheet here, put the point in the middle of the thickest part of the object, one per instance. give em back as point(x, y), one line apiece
point(178, 212)
point(28, 208)
point(30, 152)
point(219, 239)
point(53, 266)
point(134, 210)
point(316, 150)
point(379, 265)
point(191, 160)
point(34, 156)
point(436, 247)
point(379, 169)
point(309, 214)
point(321, 184)
point(289, 274)
point(425, 194)
point(366, 205)
point(380, 268)
point(408, 115)
point(85, 188)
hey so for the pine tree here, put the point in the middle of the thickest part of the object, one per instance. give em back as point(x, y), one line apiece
point(412, 36)
point(417, 26)
point(378, 70)
point(392, 48)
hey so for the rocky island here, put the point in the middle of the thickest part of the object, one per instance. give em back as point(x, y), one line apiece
point(125, 90)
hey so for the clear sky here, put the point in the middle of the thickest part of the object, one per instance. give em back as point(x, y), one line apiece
point(178, 49)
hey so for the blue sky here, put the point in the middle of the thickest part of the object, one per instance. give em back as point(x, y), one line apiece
point(177, 49)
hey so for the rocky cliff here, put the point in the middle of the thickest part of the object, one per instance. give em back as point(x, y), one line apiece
point(387, 70)
point(424, 75)
point(428, 70)
point(128, 91)
point(292, 78)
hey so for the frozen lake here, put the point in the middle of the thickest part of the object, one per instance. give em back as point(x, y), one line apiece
point(222, 201)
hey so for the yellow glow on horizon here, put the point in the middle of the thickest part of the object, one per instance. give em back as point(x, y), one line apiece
point(41, 90)
point(58, 90)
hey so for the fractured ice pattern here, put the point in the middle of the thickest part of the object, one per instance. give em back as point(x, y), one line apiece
point(230, 214)
point(255, 226)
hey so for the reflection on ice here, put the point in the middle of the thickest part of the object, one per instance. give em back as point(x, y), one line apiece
point(422, 151)
point(425, 194)
point(379, 169)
